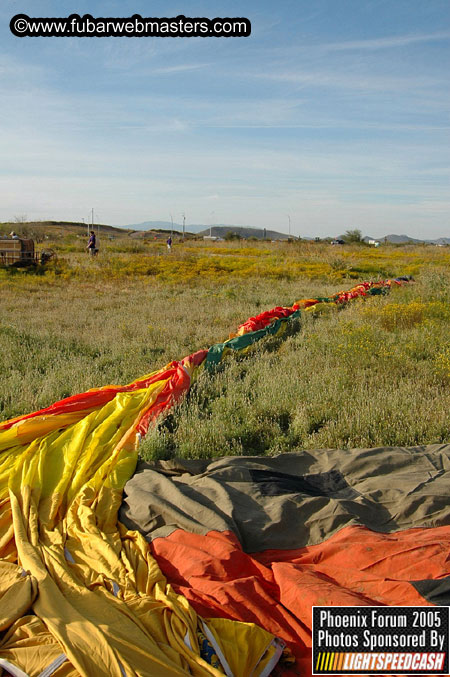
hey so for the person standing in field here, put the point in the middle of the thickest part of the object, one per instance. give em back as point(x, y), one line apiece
point(169, 243)
point(91, 244)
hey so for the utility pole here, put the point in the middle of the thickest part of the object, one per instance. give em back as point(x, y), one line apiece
point(289, 225)
point(98, 225)
point(184, 223)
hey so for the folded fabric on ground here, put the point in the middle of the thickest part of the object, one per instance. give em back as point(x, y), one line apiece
point(82, 594)
point(264, 539)
point(79, 594)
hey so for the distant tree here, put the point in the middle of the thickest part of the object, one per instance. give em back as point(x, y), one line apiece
point(353, 235)
point(231, 235)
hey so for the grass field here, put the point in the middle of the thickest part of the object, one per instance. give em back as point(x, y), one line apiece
point(374, 373)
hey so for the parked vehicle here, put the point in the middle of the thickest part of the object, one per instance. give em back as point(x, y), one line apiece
point(20, 252)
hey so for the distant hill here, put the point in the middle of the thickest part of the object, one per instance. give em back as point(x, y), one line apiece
point(405, 239)
point(36, 229)
point(260, 233)
point(394, 239)
point(164, 225)
point(400, 239)
point(153, 225)
point(58, 227)
point(219, 230)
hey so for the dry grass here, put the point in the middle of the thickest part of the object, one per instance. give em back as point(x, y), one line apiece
point(191, 261)
point(343, 381)
point(375, 373)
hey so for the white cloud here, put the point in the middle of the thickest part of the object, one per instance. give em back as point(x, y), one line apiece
point(180, 68)
point(334, 133)
point(352, 81)
point(394, 41)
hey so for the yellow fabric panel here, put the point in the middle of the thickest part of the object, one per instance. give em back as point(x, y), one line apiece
point(322, 307)
point(29, 429)
point(237, 641)
point(7, 545)
point(29, 644)
point(18, 591)
point(97, 594)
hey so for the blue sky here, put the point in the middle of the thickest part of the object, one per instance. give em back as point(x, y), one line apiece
point(333, 112)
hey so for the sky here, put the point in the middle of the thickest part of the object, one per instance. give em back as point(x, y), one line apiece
point(332, 115)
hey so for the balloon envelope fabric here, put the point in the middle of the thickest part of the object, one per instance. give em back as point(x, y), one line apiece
point(263, 540)
point(82, 594)
point(79, 594)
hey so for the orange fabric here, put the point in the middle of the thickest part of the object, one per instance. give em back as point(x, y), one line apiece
point(278, 588)
point(178, 375)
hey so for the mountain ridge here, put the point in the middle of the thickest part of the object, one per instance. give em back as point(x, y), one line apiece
point(218, 230)
point(222, 229)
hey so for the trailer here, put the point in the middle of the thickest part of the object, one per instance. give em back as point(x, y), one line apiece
point(19, 252)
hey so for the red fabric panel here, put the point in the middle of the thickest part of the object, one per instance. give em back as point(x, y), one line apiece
point(174, 389)
point(263, 319)
point(91, 399)
point(196, 358)
point(97, 397)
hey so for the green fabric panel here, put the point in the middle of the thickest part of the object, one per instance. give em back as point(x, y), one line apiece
point(215, 353)
point(378, 291)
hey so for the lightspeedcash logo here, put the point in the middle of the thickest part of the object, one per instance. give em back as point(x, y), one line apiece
point(380, 640)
